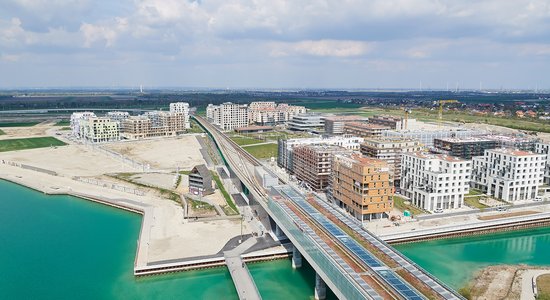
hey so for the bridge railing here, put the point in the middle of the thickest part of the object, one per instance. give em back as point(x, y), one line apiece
point(329, 267)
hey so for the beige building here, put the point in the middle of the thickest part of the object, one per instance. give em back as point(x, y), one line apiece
point(364, 129)
point(394, 122)
point(270, 113)
point(228, 116)
point(97, 130)
point(335, 125)
point(362, 186)
point(154, 124)
point(181, 107)
point(391, 151)
point(313, 164)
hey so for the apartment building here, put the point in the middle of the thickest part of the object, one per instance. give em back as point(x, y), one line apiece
point(310, 122)
point(76, 118)
point(335, 125)
point(426, 137)
point(435, 181)
point(394, 122)
point(464, 147)
point(117, 116)
point(391, 151)
point(364, 129)
point(270, 113)
point(153, 124)
point(228, 116)
point(181, 107)
point(514, 141)
point(285, 155)
point(362, 186)
point(542, 148)
point(313, 164)
point(509, 174)
point(98, 130)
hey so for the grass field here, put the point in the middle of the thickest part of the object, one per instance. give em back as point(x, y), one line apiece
point(65, 128)
point(195, 128)
point(63, 123)
point(1, 132)
point(232, 207)
point(399, 203)
point(262, 151)
point(244, 140)
point(29, 143)
point(543, 286)
point(18, 124)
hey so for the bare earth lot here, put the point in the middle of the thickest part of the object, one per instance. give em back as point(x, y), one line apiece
point(169, 153)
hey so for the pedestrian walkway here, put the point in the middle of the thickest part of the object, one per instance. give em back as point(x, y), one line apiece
point(528, 283)
point(246, 288)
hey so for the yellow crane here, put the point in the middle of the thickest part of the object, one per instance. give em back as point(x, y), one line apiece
point(406, 119)
point(441, 103)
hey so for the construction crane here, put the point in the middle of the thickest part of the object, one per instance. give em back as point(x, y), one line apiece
point(441, 103)
point(406, 119)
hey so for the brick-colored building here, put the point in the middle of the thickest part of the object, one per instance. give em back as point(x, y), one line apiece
point(362, 186)
point(364, 129)
point(313, 164)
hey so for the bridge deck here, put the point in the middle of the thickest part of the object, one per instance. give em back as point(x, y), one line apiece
point(244, 283)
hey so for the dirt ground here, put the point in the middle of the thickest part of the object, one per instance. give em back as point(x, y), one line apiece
point(25, 132)
point(167, 153)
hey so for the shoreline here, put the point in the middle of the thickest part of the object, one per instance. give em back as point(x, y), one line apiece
point(144, 210)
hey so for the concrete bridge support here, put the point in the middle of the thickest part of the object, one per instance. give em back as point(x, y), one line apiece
point(296, 258)
point(320, 288)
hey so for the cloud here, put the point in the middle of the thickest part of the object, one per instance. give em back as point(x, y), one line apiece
point(322, 48)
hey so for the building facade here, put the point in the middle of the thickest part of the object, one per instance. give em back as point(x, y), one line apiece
point(200, 181)
point(153, 124)
point(395, 123)
point(390, 151)
point(181, 107)
point(464, 147)
point(364, 129)
point(435, 181)
point(335, 125)
point(98, 130)
point(313, 164)
point(362, 186)
point(117, 116)
point(426, 137)
point(76, 118)
point(285, 155)
point(270, 113)
point(542, 148)
point(228, 116)
point(310, 122)
point(509, 174)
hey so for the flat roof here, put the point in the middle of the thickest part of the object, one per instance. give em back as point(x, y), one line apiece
point(464, 139)
point(514, 152)
point(427, 155)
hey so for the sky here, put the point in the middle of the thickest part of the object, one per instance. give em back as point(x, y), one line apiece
point(428, 44)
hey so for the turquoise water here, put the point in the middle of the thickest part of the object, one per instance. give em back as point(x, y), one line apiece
point(61, 247)
point(455, 260)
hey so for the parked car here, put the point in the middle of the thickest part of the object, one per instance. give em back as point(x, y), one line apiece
point(538, 199)
point(502, 208)
point(438, 210)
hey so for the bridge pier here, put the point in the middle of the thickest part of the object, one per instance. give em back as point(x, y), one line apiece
point(296, 258)
point(320, 288)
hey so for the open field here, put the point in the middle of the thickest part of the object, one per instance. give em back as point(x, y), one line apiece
point(244, 140)
point(18, 124)
point(262, 151)
point(63, 123)
point(399, 203)
point(29, 143)
point(166, 153)
point(543, 286)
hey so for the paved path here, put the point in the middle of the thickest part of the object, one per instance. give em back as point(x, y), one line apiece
point(527, 292)
point(246, 288)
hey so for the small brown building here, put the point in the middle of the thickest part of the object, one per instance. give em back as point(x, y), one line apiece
point(200, 181)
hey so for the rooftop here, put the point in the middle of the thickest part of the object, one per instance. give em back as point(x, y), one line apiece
point(366, 125)
point(345, 118)
point(427, 155)
point(464, 139)
point(514, 152)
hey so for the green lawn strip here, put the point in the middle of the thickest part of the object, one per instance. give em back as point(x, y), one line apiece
point(65, 128)
point(399, 203)
point(243, 140)
point(29, 143)
point(262, 151)
point(473, 201)
point(18, 124)
point(225, 194)
point(195, 128)
point(2, 132)
point(63, 123)
point(474, 192)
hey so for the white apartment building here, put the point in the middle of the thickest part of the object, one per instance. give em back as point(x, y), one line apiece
point(181, 107)
point(76, 117)
point(118, 116)
point(542, 148)
point(268, 113)
point(508, 174)
point(228, 116)
point(433, 181)
point(97, 130)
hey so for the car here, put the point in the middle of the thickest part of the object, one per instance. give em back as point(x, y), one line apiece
point(502, 208)
point(538, 199)
point(438, 210)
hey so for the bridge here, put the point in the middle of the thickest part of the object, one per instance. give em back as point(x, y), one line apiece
point(351, 261)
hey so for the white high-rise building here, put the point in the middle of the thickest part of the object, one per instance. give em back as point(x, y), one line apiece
point(542, 148)
point(228, 116)
point(433, 181)
point(118, 116)
point(76, 117)
point(508, 174)
point(181, 107)
point(97, 130)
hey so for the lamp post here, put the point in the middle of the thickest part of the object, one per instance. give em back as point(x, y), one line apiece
point(241, 240)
